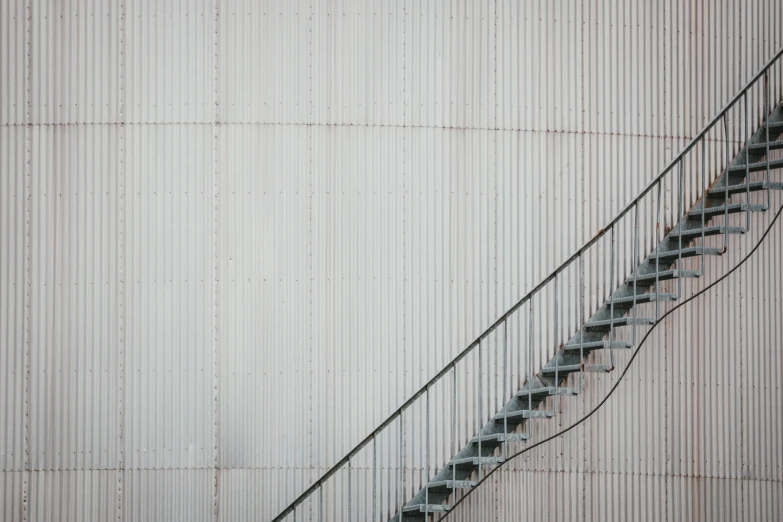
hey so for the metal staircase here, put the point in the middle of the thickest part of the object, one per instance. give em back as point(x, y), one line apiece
point(634, 299)
point(624, 307)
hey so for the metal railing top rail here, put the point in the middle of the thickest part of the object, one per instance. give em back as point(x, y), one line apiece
point(503, 318)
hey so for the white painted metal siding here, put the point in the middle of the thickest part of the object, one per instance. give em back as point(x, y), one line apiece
point(236, 235)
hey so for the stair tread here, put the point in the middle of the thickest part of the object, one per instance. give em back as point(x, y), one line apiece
point(451, 484)
point(649, 297)
point(548, 391)
point(762, 147)
point(593, 345)
point(573, 368)
point(525, 414)
point(757, 166)
point(474, 461)
point(424, 508)
point(732, 207)
point(753, 186)
point(685, 253)
point(499, 438)
point(664, 275)
point(620, 321)
point(707, 231)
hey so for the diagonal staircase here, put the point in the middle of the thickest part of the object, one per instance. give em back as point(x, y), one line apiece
point(632, 303)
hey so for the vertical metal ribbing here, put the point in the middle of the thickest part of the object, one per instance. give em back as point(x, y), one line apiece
point(635, 261)
point(530, 368)
point(657, 251)
point(505, 388)
point(726, 184)
point(704, 198)
point(427, 455)
point(478, 409)
point(611, 299)
point(374, 479)
point(766, 130)
point(747, 164)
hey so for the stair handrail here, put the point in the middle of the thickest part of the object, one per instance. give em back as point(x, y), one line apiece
point(503, 318)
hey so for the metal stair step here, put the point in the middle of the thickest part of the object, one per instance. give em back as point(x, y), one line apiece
point(720, 210)
point(422, 509)
point(714, 230)
point(451, 484)
point(649, 297)
point(606, 324)
point(741, 188)
point(524, 414)
point(574, 368)
point(496, 439)
point(663, 275)
point(473, 462)
point(598, 345)
point(673, 255)
point(775, 125)
point(756, 167)
point(762, 147)
point(546, 391)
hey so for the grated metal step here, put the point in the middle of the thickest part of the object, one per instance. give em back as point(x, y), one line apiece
point(423, 509)
point(760, 148)
point(473, 462)
point(496, 439)
point(524, 414)
point(668, 256)
point(598, 345)
point(741, 188)
point(605, 324)
point(574, 368)
point(720, 210)
point(448, 485)
point(649, 297)
point(540, 393)
point(664, 275)
point(756, 167)
point(715, 230)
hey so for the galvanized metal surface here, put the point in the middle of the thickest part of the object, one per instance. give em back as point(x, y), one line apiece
point(346, 253)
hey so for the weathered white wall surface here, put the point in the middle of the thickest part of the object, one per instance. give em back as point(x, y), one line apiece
point(236, 235)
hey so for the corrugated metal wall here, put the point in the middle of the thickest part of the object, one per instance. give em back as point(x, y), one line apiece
point(237, 235)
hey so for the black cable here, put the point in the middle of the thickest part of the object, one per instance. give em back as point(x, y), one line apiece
point(627, 366)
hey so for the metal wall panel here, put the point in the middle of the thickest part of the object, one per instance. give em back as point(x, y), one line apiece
point(306, 209)
point(76, 61)
point(13, 141)
point(14, 62)
point(72, 496)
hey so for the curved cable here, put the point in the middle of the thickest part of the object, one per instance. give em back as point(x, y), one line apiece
point(627, 366)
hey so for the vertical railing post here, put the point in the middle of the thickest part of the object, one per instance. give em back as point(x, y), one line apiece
point(704, 197)
point(557, 349)
point(747, 164)
point(479, 408)
point(635, 262)
point(349, 490)
point(530, 368)
point(374, 480)
point(454, 431)
point(657, 250)
point(506, 378)
point(581, 321)
point(767, 112)
point(321, 503)
point(680, 219)
point(401, 483)
point(726, 190)
point(611, 299)
point(427, 453)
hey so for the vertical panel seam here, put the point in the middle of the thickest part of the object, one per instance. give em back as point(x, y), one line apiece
point(121, 271)
point(27, 260)
point(216, 273)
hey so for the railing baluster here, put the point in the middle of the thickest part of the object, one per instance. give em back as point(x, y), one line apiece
point(557, 349)
point(747, 165)
point(766, 129)
point(374, 480)
point(530, 368)
point(349, 491)
point(427, 453)
point(401, 483)
point(657, 252)
point(680, 220)
point(726, 190)
point(581, 321)
point(611, 300)
point(635, 263)
point(505, 389)
point(704, 197)
point(454, 431)
point(479, 409)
